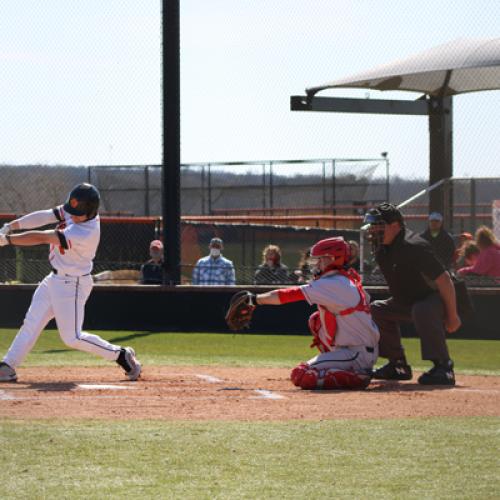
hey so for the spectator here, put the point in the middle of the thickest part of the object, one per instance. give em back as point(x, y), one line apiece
point(272, 271)
point(441, 241)
point(468, 254)
point(214, 269)
point(463, 240)
point(152, 270)
point(488, 261)
point(303, 273)
point(354, 261)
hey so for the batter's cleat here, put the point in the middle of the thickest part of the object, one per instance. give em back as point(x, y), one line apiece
point(128, 361)
point(439, 374)
point(394, 370)
point(7, 373)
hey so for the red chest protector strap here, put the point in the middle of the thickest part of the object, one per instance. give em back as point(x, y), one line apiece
point(362, 306)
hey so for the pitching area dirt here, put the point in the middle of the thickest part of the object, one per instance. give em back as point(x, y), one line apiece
point(219, 393)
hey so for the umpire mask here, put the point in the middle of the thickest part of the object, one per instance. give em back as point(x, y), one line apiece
point(376, 219)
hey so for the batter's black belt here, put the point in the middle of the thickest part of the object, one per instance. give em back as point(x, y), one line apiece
point(55, 271)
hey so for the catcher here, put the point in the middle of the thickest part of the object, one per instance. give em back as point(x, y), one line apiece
point(342, 327)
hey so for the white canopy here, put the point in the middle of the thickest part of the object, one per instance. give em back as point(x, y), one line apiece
point(463, 65)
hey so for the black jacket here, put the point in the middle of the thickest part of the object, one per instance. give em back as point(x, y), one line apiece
point(443, 246)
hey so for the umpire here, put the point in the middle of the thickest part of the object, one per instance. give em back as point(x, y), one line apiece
point(421, 292)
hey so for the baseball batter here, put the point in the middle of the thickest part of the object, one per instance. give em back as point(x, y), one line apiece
point(63, 293)
point(342, 327)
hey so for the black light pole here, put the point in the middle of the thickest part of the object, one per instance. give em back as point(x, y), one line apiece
point(171, 155)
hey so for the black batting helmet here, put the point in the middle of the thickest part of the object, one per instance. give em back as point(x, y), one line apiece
point(83, 200)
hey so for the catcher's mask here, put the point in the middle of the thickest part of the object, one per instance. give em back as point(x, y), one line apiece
point(376, 219)
point(83, 200)
point(335, 248)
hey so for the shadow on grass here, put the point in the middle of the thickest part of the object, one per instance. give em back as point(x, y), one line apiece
point(132, 336)
point(115, 340)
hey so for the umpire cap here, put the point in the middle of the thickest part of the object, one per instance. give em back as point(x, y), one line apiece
point(83, 200)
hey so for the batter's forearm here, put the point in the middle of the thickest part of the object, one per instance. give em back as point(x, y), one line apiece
point(32, 238)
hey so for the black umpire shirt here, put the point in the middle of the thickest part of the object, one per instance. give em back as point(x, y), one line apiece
point(408, 264)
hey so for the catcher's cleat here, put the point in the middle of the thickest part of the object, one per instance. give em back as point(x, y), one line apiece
point(439, 374)
point(7, 373)
point(128, 361)
point(394, 370)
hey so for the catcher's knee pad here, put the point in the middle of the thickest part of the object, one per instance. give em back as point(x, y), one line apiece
point(314, 323)
point(340, 379)
point(298, 372)
point(310, 379)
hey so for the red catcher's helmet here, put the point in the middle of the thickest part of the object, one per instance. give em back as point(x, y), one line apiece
point(336, 248)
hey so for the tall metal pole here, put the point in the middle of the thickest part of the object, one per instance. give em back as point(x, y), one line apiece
point(441, 153)
point(171, 141)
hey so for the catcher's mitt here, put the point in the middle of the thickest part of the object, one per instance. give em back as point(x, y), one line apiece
point(240, 310)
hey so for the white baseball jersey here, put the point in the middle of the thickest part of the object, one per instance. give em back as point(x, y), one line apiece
point(78, 244)
point(336, 293)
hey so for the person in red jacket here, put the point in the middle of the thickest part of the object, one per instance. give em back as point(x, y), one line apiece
point(488, 261)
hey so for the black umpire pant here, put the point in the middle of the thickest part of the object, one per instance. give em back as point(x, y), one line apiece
point(427, 316)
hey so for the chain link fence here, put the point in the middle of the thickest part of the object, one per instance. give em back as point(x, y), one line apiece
point(247, 204)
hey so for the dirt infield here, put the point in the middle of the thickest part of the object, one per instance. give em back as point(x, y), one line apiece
point(219, 393)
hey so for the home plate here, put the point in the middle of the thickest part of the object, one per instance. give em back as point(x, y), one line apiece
point(103, 387)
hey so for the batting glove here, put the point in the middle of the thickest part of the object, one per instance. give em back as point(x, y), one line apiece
point(3, 240)
point(5, 229)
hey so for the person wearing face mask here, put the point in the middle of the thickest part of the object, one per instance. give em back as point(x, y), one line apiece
point(152, 270)
point(214, 269)
point(272, 271)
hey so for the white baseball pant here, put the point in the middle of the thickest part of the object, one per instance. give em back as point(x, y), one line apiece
point(62, 298)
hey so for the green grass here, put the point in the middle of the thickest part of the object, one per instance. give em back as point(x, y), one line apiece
point(445, 458)
point(417, 458)
point(471, 356)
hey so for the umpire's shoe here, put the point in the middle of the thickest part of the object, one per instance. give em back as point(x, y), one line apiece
point(7, 373)
point(394, 370)
point(128, 361)
point(439, 374)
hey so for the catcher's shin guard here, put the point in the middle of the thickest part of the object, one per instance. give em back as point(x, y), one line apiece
point(297, 373)
point(340, 379)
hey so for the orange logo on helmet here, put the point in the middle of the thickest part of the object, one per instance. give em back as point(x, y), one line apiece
point(73, 202)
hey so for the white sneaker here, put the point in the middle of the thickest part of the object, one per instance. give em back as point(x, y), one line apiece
point(135, 367)
point(7, 374)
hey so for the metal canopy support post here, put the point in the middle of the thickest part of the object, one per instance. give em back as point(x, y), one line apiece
point(440, 154)
point(171, 141)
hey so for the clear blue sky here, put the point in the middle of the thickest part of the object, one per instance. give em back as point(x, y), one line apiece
point(81, 80)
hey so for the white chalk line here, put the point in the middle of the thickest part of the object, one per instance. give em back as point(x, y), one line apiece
point(103, 387)
point(465, 389)
point(265, 394)
point(208, 378)
point(262, 393)
point(5, 396)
